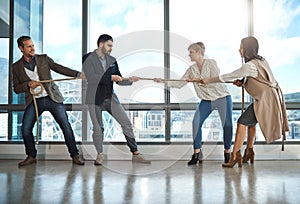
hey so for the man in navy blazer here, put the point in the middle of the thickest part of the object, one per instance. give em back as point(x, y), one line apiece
point(101, 71)
point(26, 72)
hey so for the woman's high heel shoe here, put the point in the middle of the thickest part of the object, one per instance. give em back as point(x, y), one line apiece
point(195, 158)
point(238, 159)
point(248, 155)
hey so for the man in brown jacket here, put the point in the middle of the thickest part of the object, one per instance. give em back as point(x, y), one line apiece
point(26, 72)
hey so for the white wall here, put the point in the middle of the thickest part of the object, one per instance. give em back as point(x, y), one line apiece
point(153, 152)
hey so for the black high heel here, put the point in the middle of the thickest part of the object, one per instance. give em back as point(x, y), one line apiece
point(226, 157)
point(195, 158)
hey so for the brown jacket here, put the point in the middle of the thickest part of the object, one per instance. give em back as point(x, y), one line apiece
point(269, 105)
point(44, 66)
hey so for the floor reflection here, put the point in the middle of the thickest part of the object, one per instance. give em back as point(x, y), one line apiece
point(175, 182)
point(30, 184)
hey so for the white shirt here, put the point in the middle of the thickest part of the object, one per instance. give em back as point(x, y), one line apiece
point(247, 70)
point(208, 92)
point(33, 75)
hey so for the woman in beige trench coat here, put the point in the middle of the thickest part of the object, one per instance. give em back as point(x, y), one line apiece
point(268, 108)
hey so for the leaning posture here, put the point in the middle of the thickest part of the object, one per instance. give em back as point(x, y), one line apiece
point(213, 97)
point(268, 108)
point(27, 71)
point(102, 70)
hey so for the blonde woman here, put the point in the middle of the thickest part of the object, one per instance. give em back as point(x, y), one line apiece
point(213, 97)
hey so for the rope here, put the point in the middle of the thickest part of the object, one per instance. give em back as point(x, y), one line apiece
point(34, 94)
point(152, 79)
point(164, 80)
point(243, 99)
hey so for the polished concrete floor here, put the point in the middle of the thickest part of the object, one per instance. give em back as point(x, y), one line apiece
point(161, 182)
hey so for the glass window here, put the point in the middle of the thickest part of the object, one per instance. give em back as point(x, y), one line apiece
point(277, 45)
point(147, 126)
point(181, 126)
point(4, 54)
point(220, 25)
point(49, 129)
point(277, 41)
point(212, 131)
point(16, 126)
point(3, 126)
point(137, 28)
point(28, 20)
point(294, 125)
point(62, 44)
point(52, 35)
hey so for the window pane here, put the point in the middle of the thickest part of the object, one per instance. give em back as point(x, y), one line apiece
point(220, 33)
point(294, 125)
point(3, 126)
point(147, 126)
point(16, 126)
point(49, 129)
point(138, 43)
point(142, 91)
point(4, 54)
point(278, 39)
point(28, 20)
point(277, 45)
point(181, 126)
point(62, 42)
point(212, 131)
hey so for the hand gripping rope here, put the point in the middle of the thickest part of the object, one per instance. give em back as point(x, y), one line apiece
point(34, 94)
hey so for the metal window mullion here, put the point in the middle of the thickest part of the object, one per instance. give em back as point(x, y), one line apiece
point(85, 27)
point(167, 70)
point(10, 62)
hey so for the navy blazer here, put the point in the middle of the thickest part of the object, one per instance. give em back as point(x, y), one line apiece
point(44, 66)
point(99, 82)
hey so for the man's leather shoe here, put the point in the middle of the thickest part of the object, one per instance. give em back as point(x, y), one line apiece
point(138, 158)
point(27, 161)
point(77, 161)
point(99, 159)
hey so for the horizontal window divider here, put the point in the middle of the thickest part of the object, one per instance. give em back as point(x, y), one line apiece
point(297, 142)
point(144, 106)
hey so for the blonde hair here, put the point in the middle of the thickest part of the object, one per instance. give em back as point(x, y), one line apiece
point(198, 46)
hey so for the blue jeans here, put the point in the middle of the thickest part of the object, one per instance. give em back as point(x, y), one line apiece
point(204, 109)
point(58, 110)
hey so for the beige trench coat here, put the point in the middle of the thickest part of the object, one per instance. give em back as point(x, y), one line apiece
point(269, 105)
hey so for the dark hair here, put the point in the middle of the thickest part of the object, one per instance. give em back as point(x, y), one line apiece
point(250, 48)
point(21, 39)
point(103, 38)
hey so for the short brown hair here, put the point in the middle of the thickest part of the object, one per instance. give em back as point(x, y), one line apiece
point(21, 39)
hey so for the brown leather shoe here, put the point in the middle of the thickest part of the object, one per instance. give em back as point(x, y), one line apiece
point(77, 161)
point(27, 161)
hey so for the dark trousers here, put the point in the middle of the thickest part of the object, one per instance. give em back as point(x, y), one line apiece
point(58, 110)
